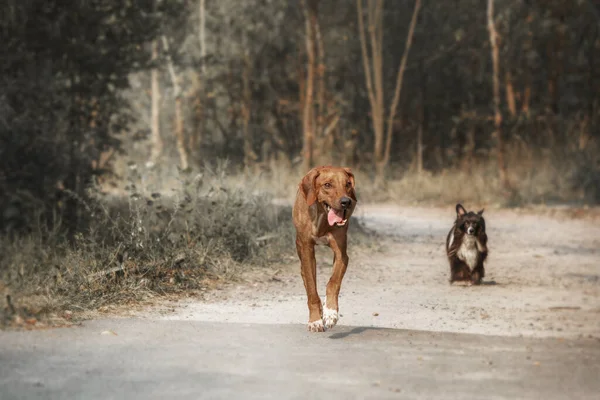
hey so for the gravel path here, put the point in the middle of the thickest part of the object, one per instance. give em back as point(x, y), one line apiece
point(542, 280)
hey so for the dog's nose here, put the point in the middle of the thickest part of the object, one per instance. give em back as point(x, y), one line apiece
point(470, 230)
point(345, 202)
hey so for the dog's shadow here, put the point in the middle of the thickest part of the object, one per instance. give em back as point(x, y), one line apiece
point(465, 284)
point(488, 283)
point(354, 331)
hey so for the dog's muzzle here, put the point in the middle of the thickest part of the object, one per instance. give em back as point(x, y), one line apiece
point(339, 217)
point(345, 202)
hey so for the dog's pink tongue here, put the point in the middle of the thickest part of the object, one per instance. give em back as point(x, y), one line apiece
point(334, 217)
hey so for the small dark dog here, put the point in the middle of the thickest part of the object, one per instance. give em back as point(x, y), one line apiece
point(466, 246)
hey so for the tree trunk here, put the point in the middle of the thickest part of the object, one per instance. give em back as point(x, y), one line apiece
point(183, 156)
point(510, 94)
point(555, 49)
point(399, 79)
point(552, 93)
point(301, 73)
point(376, 34)
point(179, 133)
point(329, 136)
point(72, 186)
point(496, 90)
point(383, 139)
point(195, 139)
point(249, 154)
point(200, 124)
point(307, 117)
point(528, 46)
point(420, 147)
point(469, 151)
point(201, 35)
point(321, 139)
point(420, 129)
point(196, 134)
point(526, 96)
point(591, 81)
point(374, 92)
point(157, 144)
point(421, 115)
point(349, 153)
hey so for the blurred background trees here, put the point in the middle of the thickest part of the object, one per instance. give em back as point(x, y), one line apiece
point(89, 86)
point(64, 66)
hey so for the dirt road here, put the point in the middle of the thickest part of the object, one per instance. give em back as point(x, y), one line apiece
point(450, 342)
point(542, 280)
point(149, 359)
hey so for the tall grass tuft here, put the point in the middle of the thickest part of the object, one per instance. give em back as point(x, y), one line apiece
point(138, 244)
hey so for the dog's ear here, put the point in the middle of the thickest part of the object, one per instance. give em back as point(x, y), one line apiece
point(308, 186)
point(480, 212)
point(352, 183)
point(460, 210)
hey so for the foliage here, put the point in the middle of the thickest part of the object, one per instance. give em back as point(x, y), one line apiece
point(63, 66)
point(548, 77)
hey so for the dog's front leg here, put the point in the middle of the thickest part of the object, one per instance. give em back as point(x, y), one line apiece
point(337, 242)
point(478, 272)
point(458, 270)
point(308, 267)
point(482, 244)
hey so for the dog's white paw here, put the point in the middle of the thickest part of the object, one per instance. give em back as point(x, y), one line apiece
point(316, 326)
point(330, 317)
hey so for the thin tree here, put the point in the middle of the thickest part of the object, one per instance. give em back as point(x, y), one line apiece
point(320, 115)
point(250, 156)
point(156, 140)
point(373, 66)
point(202, 33)
point(421, 115)
point(307, 114)
point(528, 46)
point(496, 90)
point(196, 135)
point(320, 78)
point(510, 93)
point(179, 134)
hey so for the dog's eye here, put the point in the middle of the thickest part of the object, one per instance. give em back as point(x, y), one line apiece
point(327, 185)
point(348, 184)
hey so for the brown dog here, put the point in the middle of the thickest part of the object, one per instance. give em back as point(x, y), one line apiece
point(324, 204)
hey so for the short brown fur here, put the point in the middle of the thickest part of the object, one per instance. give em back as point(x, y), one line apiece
point(322, 188)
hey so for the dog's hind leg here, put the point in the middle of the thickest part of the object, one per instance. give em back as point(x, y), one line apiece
point(308, 266)
point(337, 242)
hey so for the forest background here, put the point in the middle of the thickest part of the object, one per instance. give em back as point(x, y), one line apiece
point(142, 142)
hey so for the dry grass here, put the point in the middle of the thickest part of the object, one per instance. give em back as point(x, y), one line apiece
point(569, 175)
point(147, 241)
point(142, 244)
point(562, 176)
